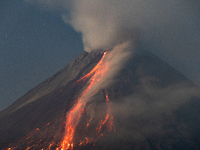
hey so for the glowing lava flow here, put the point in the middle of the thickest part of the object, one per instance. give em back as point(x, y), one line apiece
point(94, 69)
point(108, 119)
point(73, 116)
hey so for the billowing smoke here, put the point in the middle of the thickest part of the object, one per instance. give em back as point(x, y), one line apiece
point(103, 77)
point(153, 110)
point(113, 61)
point(103, 23)
point(168, 28)
point(169, 25)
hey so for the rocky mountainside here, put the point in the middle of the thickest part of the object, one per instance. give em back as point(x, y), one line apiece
point(153, 106)
point(77, 68)
point(46, 101)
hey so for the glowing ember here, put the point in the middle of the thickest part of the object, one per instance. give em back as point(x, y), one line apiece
point(74, 115)
point(72, 121)
point(93, 70)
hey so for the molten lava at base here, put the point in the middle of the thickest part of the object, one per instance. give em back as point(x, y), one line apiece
point(74, 115)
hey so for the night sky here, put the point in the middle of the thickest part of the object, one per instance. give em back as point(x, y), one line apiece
point(35, 43)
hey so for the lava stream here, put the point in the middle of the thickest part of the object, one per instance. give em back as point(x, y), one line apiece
point(73, 116)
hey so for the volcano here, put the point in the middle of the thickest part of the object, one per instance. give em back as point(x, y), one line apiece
point(148, 105)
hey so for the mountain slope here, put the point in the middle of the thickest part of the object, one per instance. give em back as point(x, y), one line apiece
point(153, 106)
point(77, 68)
point(42, 104)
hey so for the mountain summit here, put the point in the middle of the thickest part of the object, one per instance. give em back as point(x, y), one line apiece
point(147, 105)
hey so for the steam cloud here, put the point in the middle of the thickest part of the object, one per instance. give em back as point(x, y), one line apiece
point(147, 111)
point(168, 28)
point(103, 23)
point(114, 60)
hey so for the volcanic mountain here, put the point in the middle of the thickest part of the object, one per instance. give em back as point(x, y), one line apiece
point(148, 105)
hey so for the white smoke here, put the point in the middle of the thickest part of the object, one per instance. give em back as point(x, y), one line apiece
point(102, 22)
point(145, 113)
point(114, 61)
point(170, 29)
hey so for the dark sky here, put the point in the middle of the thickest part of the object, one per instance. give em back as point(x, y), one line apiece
point(34, 45)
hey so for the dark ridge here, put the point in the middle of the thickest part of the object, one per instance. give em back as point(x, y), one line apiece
point(142, 76)
point(73, 71)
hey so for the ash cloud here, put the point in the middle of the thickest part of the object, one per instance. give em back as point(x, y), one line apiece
point(153, 109)
point(103, 23)
point(168, 28)
point(169, 25)
point(112, 63)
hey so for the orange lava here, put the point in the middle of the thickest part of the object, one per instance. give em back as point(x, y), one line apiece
point(108, 119)
point(94, 69)
point(73, 116)
point(72, 121)
point(75, 113)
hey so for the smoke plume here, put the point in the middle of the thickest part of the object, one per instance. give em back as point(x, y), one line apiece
point(169, 24)
point(111, 64)
point(103, 23)
point(114, 61)
point(143, 114)
point(168, 28)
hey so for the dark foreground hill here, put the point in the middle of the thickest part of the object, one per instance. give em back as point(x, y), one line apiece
point(153, 106)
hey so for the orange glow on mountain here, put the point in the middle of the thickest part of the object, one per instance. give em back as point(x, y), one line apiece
point(73, 116)
point(94, 69)
point(108, 119)
point(72, 121)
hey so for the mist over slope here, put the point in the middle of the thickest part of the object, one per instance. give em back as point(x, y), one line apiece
point(169, 29)
point(56, 81)
point(153, 106)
